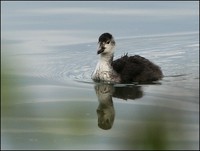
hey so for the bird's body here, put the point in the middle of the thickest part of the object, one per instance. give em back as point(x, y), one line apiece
point(126, 69)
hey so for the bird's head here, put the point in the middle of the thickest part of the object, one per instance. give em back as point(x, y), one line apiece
point(106, 44)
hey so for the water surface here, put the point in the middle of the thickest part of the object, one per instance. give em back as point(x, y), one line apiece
point(50, 102)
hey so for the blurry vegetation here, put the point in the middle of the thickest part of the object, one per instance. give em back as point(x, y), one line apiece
point(152, 131)
point(23, 121)
point(150, 134)
point(9, 81)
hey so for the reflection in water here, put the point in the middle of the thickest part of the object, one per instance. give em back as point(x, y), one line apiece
point(105, 92)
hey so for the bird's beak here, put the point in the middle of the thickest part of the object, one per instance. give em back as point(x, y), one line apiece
point(100, 49)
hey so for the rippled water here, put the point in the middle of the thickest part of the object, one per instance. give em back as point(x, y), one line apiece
point(52, 102)
point(48, 53)
point(176, 54)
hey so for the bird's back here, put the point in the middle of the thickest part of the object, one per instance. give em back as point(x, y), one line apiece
point(136, 69)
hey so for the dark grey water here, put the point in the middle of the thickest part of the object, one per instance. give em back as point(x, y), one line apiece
point(48, 53)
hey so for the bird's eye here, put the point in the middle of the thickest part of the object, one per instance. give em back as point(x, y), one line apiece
point(107, 42)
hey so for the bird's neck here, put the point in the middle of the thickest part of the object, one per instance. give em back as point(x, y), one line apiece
point(108, 58)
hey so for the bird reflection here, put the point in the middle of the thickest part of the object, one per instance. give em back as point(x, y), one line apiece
point(105, 92)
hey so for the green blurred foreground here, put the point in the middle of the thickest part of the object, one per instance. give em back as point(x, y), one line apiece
point(37, 113)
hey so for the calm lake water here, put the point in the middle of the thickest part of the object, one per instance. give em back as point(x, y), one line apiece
point(50, 102)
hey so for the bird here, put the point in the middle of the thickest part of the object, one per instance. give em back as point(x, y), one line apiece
point(127, 69)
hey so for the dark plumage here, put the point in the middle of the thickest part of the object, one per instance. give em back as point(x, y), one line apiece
point(136, 69)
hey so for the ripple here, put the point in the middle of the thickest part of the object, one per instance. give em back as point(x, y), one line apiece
point(177, 56)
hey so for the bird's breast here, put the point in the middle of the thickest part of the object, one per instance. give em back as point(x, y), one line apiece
point(104, 72)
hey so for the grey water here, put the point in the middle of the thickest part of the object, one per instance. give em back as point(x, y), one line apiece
point(48, 100)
